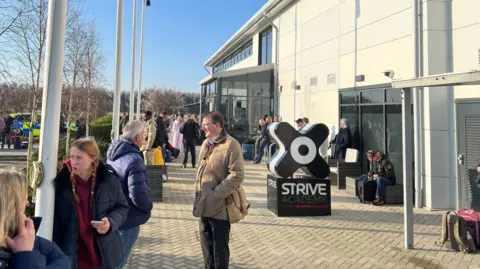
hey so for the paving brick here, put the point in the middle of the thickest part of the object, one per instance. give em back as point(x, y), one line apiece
point(355, 236)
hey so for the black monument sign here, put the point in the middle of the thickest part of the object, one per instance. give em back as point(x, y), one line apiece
point(298, 149)
point(298, 196)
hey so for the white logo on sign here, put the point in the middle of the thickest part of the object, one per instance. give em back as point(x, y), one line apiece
point(304, 189)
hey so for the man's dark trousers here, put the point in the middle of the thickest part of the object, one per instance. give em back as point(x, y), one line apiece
point(191, 149)
point(214, 238)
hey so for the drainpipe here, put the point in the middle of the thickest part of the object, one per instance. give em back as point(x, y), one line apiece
point(418, 50)
point(295, 72)
point(277, 64)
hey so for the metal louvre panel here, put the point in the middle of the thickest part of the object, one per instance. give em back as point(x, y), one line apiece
point(472, 159)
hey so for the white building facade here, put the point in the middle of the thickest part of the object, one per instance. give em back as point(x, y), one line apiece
point(332, 61)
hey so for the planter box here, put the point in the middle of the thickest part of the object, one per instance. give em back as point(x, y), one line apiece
point(155, 182)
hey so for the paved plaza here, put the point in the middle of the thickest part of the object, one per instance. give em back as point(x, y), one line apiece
point(355, 236)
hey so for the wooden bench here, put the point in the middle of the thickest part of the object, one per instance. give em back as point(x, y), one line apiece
point(340, 169)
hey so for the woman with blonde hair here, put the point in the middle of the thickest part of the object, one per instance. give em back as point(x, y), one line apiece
point(89, 209)
point(19, 247)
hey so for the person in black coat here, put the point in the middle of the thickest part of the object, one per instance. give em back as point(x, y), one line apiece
point(161, 137)
point(190, 132)
point(81, 128)
point(20, 248)
point(264, 140)
point(342, 141)
point(87, 190)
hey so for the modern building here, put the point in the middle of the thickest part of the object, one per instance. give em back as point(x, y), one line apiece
point(337, 58)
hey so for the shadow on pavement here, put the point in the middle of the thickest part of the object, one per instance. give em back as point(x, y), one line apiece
point(167, 261)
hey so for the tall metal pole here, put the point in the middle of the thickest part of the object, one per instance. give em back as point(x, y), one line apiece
point(51, 102)
point(134, 39)
point(407, 167)
point(139, 93)
point(416, 106)
point(118, 71)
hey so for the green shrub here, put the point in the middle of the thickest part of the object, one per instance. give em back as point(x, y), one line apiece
point(107, 119)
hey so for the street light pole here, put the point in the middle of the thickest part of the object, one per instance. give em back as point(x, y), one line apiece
point(134, 39)
point(51, 104)
point(139, 92)
point(118, 71)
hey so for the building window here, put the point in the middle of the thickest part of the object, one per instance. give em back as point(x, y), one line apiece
point(375, 122)
point(265, 56)
point(241, 54)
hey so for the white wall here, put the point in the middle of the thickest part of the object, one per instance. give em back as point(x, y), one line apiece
point(466, 40)
point(327, 44)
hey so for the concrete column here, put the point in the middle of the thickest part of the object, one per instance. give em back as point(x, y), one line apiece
point(438, 165)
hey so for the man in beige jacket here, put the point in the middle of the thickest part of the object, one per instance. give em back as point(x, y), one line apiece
point(220, 171)
point(149, 134)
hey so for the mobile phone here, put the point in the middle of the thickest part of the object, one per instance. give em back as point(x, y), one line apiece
point(96, 222)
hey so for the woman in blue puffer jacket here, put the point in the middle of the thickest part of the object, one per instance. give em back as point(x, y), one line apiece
point(20, 248)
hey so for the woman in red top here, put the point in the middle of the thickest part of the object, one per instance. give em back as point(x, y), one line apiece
point(87, 190)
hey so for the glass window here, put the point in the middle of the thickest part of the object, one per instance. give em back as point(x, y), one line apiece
point(266, 47)
point(349, 98)
point(373, 96)
point(258, 107)
point(351, 114)
point(239, 88)
point(260, 84)
point(373, 129)
point(394, 96)
point(225, 86)
point(394, 139)
point(269, 47)
point(263, 56)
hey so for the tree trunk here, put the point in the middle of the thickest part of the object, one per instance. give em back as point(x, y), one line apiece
point(69, 115)
point(89, 89)
point(30, 138)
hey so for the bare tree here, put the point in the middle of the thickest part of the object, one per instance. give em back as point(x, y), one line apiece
point(10, 12)
point(164, 98)
point(75, 57)
point(92, 72)
point(27, 37)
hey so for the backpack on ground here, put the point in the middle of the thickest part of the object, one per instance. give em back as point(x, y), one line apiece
point(455, 233)
point(366, 191)
point(472, 217)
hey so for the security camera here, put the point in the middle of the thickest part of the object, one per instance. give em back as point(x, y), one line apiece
point(389, 73)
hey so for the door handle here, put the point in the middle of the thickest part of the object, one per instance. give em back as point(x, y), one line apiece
point(461, 159)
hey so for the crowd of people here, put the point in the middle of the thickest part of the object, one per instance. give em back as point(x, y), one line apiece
point(99, 207)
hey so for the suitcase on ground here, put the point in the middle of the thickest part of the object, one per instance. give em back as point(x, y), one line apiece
point(472, 217)
point(366, 191)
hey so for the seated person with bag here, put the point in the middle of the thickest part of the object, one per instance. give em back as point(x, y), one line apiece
point(383, 174)
point(369, 175)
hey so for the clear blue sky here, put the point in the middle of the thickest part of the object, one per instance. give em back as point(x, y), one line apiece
point(180, 35)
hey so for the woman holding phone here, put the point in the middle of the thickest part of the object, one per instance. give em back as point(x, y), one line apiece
point(89, 209)
point(19, 247)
